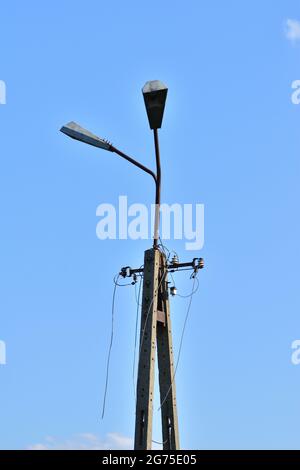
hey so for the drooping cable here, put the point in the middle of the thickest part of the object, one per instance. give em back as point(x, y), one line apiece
point(192, 293)
point(116, 278)
point(137, 294)
point(116, 284)
point(160, 443)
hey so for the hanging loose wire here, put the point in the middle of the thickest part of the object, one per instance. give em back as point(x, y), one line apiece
point(116, 284)
point(192, 293)
point(160, 443)
point(137, 297)
point(116, 278)
point(181, 342)
point(190, 296)
point(111, 343)
point(137, 294)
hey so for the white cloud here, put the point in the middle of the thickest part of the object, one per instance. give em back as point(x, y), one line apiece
point(292, 30)
point(85, 441)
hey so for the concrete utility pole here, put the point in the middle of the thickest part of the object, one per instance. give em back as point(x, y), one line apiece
point(155, 333)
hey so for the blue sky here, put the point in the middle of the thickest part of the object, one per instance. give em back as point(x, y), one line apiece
point(230, 140)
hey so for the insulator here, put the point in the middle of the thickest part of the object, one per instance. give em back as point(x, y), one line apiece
point(173, 290)
point(175, 259)
point(201, 263)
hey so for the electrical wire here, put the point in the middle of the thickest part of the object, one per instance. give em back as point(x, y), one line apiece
point(116, 284)
point(180, 346)
point(110, 344)
point(137, 295)
point(164, 248)
point(192, 293)
point(160, 443)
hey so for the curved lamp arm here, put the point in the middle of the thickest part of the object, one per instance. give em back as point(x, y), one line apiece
point(73, 130)
point(134, 162)
point(77, 132)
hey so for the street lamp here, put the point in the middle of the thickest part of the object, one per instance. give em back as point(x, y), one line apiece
point(155, 327)
point(155, 93)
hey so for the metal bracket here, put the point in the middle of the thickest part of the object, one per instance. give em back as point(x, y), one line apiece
point(195, 265)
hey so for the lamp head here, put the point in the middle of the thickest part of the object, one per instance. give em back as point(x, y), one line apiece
point(155, 94)
point(77, 132)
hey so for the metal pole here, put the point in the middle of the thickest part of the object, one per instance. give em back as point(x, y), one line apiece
point(158, 187)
